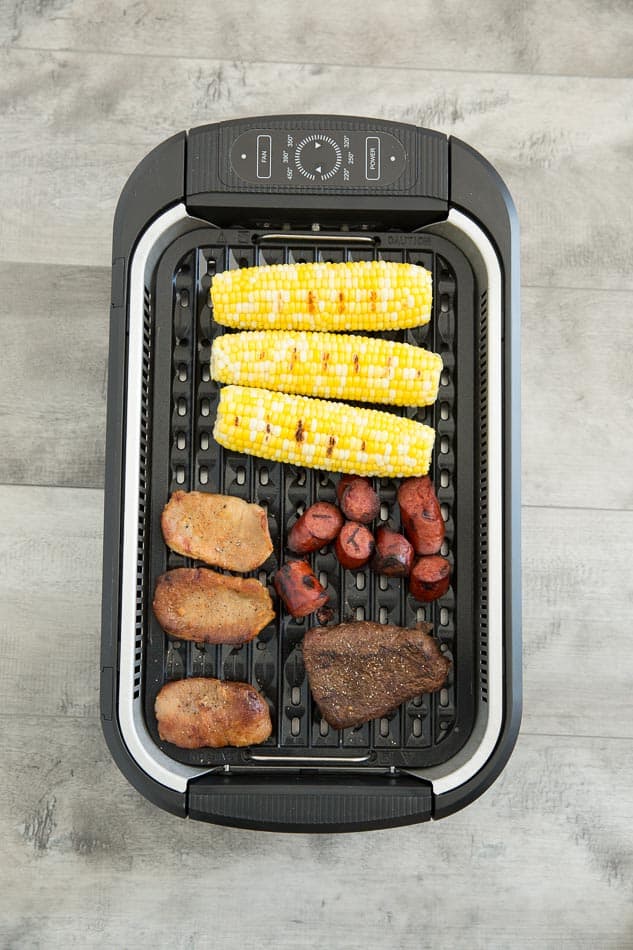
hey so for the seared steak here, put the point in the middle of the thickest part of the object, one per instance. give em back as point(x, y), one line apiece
point(362, 670)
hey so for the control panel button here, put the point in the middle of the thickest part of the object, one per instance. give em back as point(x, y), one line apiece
point(264, 160)
point(372, 158)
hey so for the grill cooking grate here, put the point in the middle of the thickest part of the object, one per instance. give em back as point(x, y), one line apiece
point(430, 728)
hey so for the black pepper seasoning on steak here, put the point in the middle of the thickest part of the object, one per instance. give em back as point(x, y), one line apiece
point(362, 670)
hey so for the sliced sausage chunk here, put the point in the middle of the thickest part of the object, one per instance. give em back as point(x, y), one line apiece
point(316, 527)
point(354, 545)
point(357, 498)
point(430, 578)
point(394, 555)
point(299, 588)
point(421, 515)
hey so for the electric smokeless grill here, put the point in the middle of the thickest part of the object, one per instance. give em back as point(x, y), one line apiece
point(279, 189)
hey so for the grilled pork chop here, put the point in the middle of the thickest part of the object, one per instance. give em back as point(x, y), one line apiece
point(217, 529)
point(204, 712)
point(362, 670)
point(202, 605)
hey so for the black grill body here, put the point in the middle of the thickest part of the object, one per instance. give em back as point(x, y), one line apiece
point(190, 210)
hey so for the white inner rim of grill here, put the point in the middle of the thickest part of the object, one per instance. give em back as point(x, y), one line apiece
point(465, 232)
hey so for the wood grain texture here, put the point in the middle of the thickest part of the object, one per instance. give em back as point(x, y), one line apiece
point(577, 648)
point(544, 859)
point(73, 131)
point(592, 37)
point(54, 327)
point(50, 591)
point(577, 391)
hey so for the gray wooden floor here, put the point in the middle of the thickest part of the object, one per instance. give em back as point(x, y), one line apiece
point(545, 858)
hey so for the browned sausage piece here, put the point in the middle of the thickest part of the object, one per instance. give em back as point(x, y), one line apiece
point(394, 555)
point(316, 527)
point(299, 589)
point(421, 515)
point(354, 545)
point(358, 500)
point(204, 712)
point(430, 578)
point(343, 481)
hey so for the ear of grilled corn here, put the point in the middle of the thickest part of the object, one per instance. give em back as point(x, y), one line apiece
point(358, 295)
point(321, 434)
point(333, 365)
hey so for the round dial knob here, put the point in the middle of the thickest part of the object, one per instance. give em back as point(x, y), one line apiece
point(318, 157)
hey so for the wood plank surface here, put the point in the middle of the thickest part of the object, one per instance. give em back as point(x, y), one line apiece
point(544, 859)
point(50, 591)
point(577, 596)
point(577, 389)
point(75, 130)
point(54, 327)
point(587, 38)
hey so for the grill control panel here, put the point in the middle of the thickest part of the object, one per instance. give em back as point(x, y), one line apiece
point(283, 168)
point(329, 157)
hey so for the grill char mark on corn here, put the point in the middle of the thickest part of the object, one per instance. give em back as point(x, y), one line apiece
point(334, 436)
point(328, 365)
point(357, 295)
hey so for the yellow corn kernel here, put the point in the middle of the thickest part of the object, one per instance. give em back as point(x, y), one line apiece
point(321, 434)
point(331, 365)
point(358, 295)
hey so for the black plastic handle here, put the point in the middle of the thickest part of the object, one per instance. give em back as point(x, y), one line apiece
point(306, 801)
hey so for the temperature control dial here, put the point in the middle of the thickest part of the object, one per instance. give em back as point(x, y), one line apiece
point(318, 157)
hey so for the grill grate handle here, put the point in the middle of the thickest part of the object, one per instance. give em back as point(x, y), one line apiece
point(309, 802)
